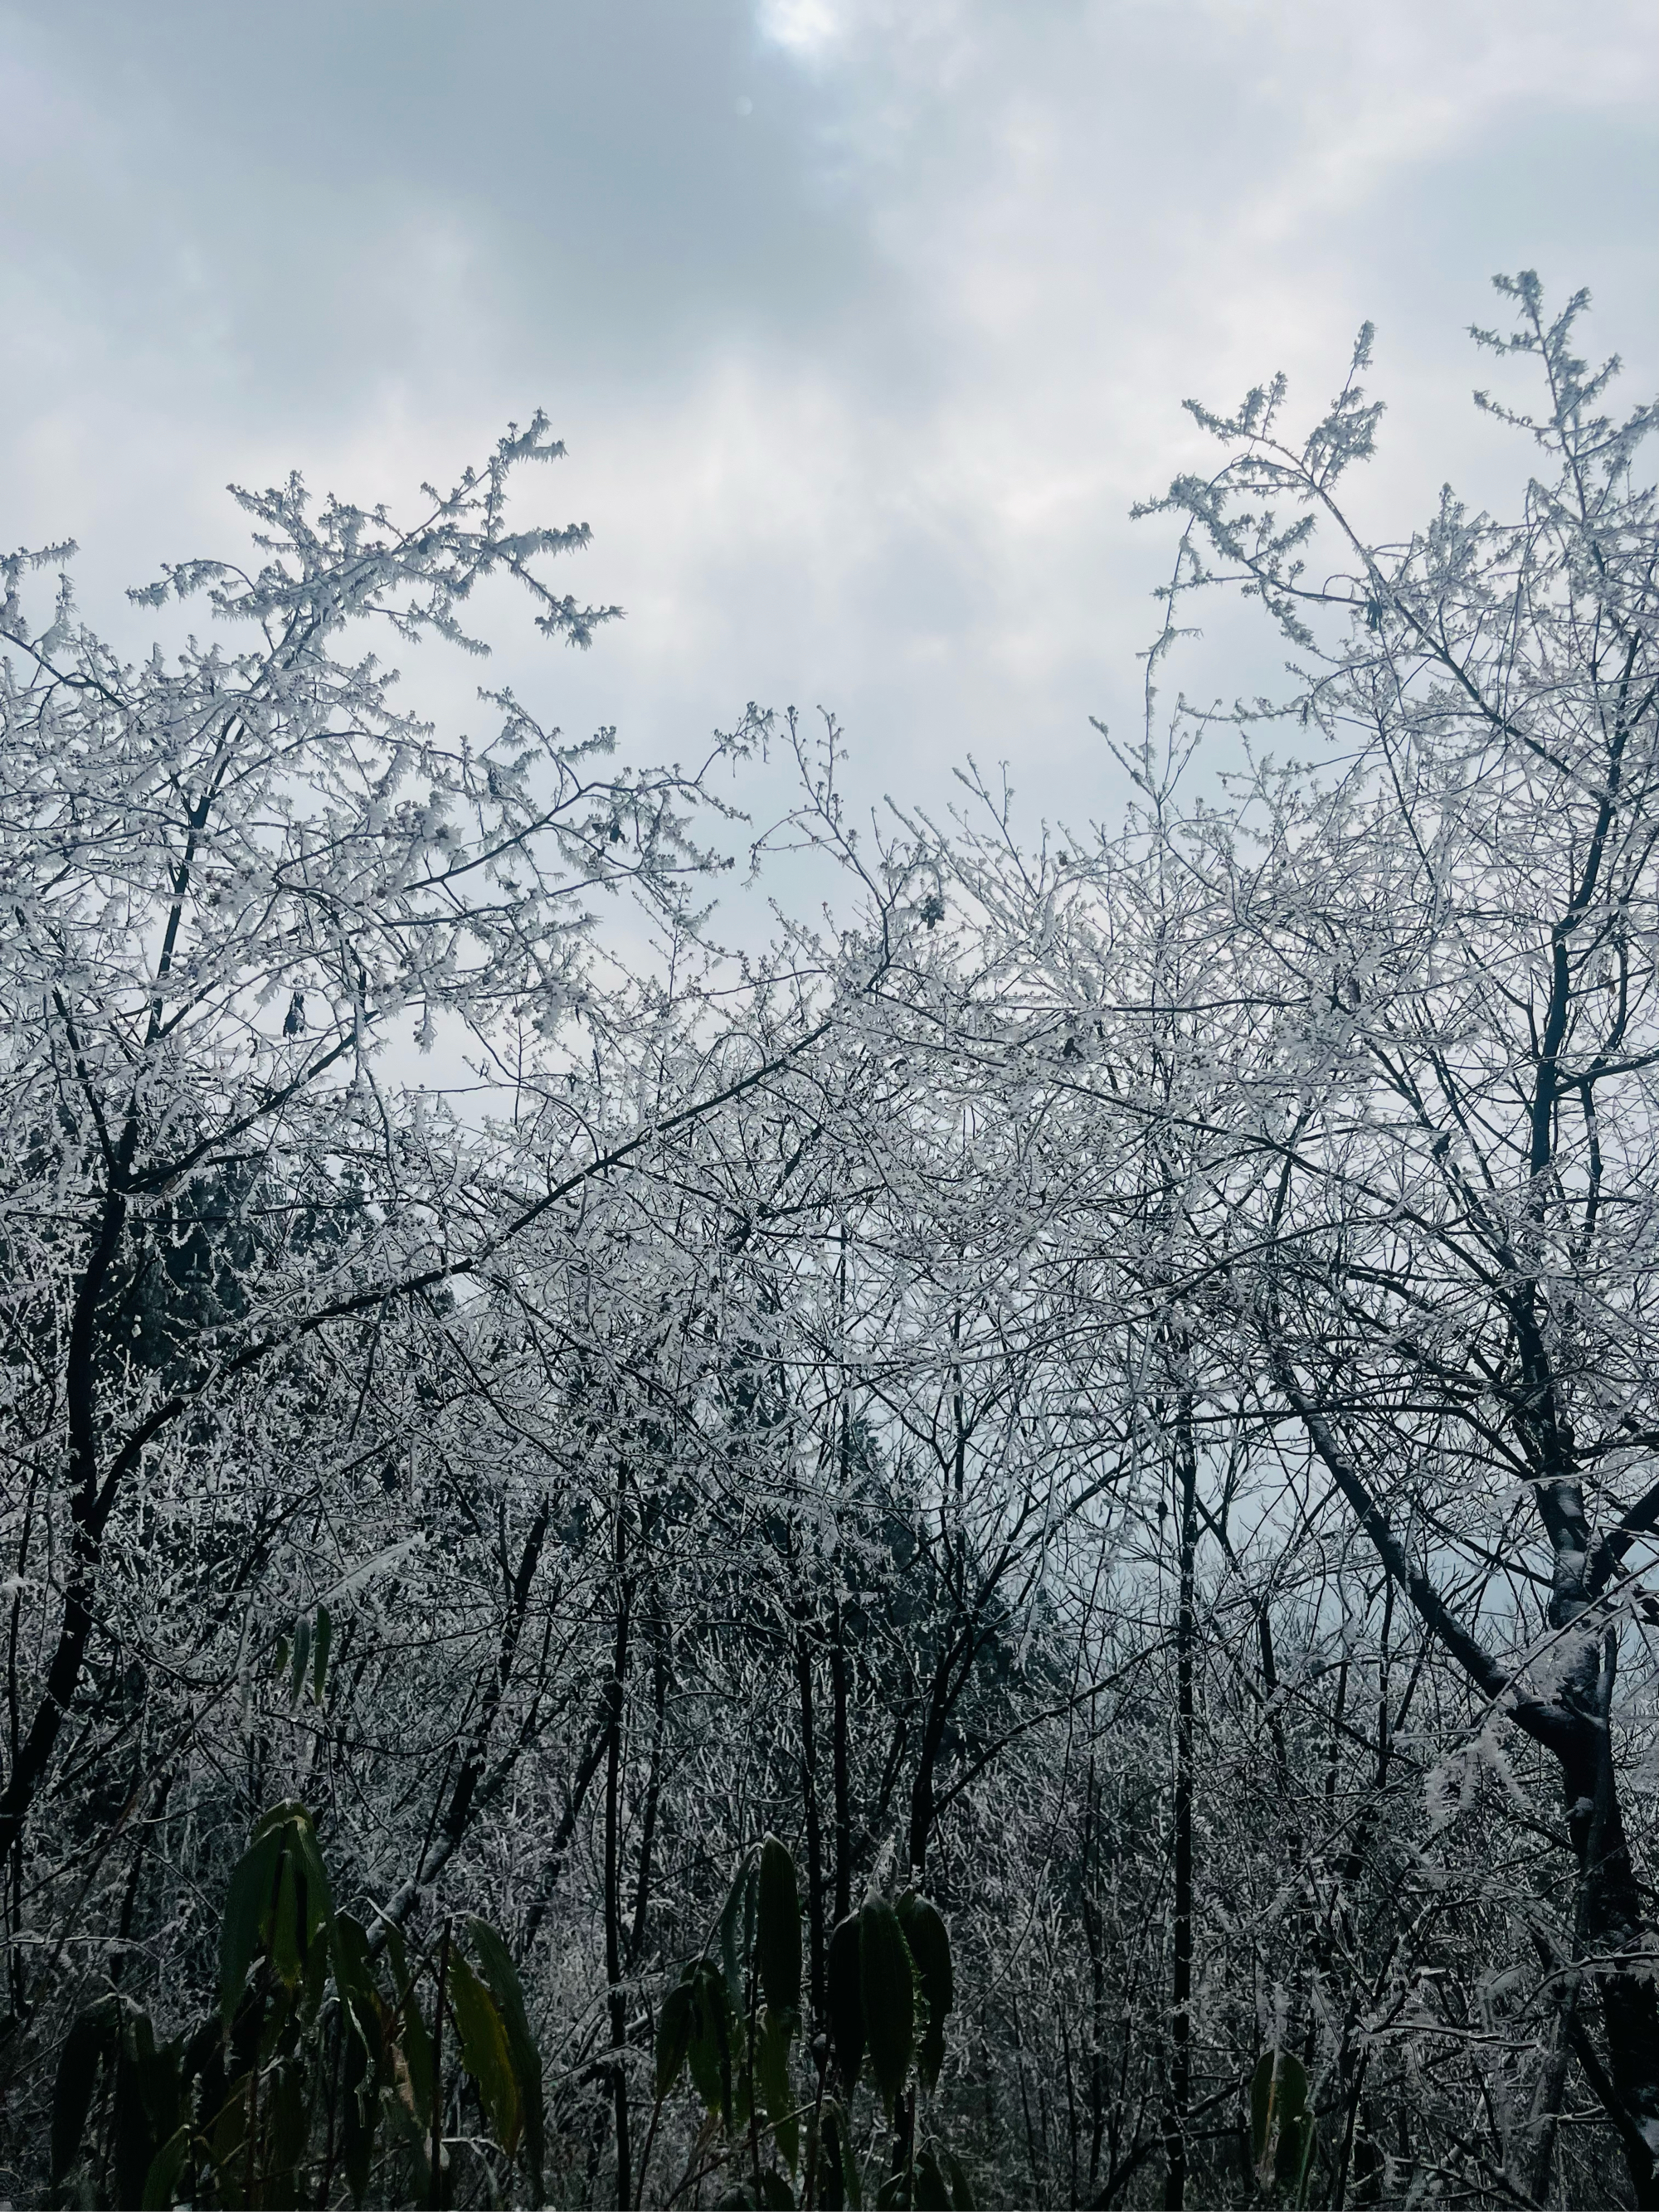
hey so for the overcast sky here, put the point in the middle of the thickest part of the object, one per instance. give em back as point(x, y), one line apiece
point(865, 321)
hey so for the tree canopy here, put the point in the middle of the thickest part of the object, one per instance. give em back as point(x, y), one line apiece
point(1002, 1556)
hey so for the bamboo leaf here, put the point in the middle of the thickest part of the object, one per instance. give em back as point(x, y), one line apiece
point(360, 2103)
point(484, 2052)
point(287, 1944)
point(503, 1977)
point(301, 1658)
point(414, 2041)
point(887, 1986)
point(779, 1943)
point(247, 1909)
point(318, 1900)
point(91, 2039)
point(134, 2138)
point(319, 1659)
point(930, 1946)
point(713, 2041)
point(736, 1916)
point(962, 2195)
point(675, 2021)
point(930, 2194)
point(772, 2071)
point(165, 2167)
point(1279, 2114)
point(843, 1999)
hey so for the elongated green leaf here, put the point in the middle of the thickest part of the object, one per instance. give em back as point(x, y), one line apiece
point(227, 2134)
point(287, 1944)
point(160, 2082)
point(135, 2141)
point(930, 1946)
point(887, 1985)
point(736, 1917)
point(1261, 2104)
point(777, 2094)
point(414, 2040)
point(360, 2109)
point(484, 2052)
point(284, 2101)
point(778, 1941)
point(675, 2021)
point(961, 2194)
point(775, 2193)
point(832, 2192)
point(319, 1900)
point(1296, 2149)
point(838, 2180)
point(90, 2039)
point(164, 2171)
point(715, 2038)
point(354, 1973)
point(930, 2194)
point(301, 1658)
point(844, 2002)
point(247, 1913)
point(1278, 2104)
point(320, 1656)
point(503, 1977)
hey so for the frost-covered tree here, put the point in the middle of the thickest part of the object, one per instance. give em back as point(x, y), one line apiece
point(1113, 1388)
point(1391, 1013)
point(231, 878)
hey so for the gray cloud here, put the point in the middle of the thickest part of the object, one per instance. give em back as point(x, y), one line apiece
point(864, 322)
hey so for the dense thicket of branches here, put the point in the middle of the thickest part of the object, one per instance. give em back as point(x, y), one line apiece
point(1121, 1391)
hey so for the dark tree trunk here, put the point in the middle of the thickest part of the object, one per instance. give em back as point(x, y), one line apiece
point(809, 1790)
point(1180, 1977)
point(613, 1901)
point(838, 1749)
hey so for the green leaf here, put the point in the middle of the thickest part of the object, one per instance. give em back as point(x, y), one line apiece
point(887, 1986)
point(416, 2043)
point(285, 2106)
point(360, 2103)
point(737, 1917)
point(165, 2168)
point(286, 1947)
point(1296, 2150)
point(320, 1657)
point(713, 2040)
point(301, 1655)
point(228, 2137)
point(825, 2162)
point(1279, 2108)
point(929, 2193)
point(962, 2195)
point(135, 2137)
point(842, 2183)
point(675, 2022)
point(502, 1977)
point(775, 2190)
point(777, 2094)
point(92, 2038)
point(354, 1973)
point(843, 2000)
point(779, 1942)
point(247, 1910)
point(159, 2079)
point(930, 1946)
point(320, 1909)
point(484, 2052)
